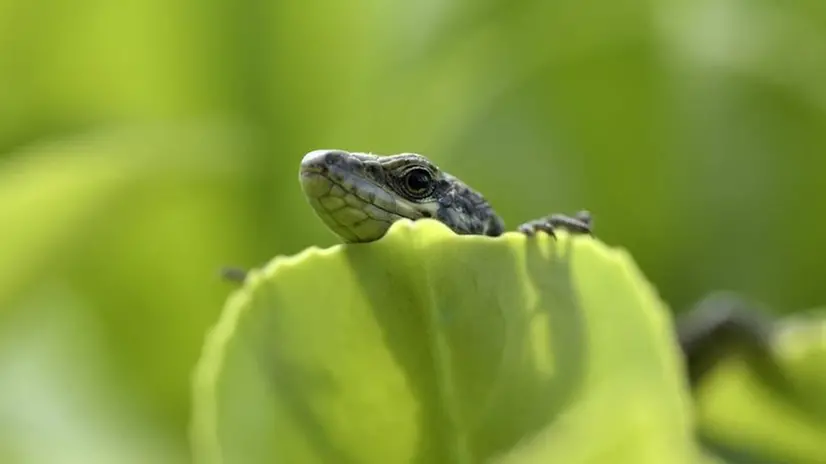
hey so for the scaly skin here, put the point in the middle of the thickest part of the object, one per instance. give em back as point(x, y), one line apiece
point(359, 196)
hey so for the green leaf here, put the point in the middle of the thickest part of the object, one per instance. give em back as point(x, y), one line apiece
point(430, 347)
point(745, 411)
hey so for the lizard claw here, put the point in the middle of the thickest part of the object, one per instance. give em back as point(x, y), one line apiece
point(531, 228)
point(579, 223)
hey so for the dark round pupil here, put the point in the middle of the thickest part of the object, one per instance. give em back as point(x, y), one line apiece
point(418, 180)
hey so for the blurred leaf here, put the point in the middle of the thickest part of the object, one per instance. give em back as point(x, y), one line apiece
point(56, 387)
point(47, 194)
point(738, 409)
point(431, 347)
point(50, 192)
point(136, 220)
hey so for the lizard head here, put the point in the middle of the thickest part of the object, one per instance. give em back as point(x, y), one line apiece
point(359, 195)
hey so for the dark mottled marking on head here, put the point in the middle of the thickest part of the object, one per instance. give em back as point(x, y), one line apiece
point(375, 172)
point(334, 157)
point(451, 201)
point(444, 198)
point(407, 185)
point(465, 210)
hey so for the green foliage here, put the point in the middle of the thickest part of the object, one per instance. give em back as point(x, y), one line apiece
point(775, 419)
point(143, 145)
point(430, 347)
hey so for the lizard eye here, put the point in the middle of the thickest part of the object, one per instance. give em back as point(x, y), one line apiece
point(418, 182)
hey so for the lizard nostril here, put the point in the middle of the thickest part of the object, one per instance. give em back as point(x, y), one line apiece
point(332, 157)
point(320, 159)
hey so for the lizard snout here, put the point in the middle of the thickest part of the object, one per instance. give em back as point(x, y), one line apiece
point(320, 160)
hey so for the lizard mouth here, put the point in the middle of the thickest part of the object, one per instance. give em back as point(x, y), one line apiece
point(314, 173)
point(353, 205)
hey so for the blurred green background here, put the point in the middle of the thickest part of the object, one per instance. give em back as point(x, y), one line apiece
point(147, 143)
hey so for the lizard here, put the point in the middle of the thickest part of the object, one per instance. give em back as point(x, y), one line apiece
point(359, 196)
